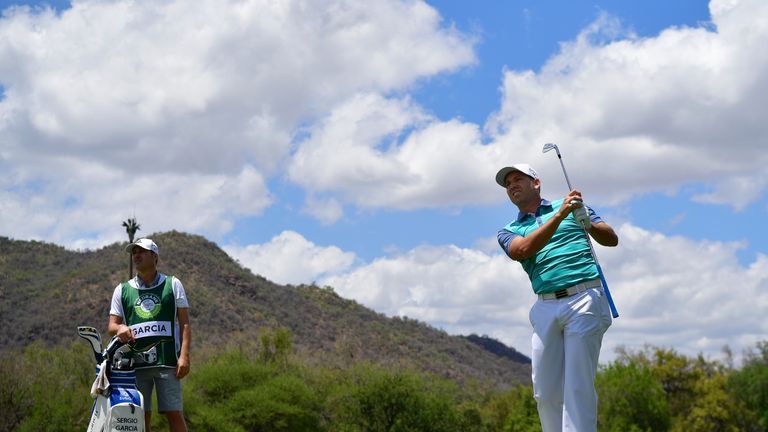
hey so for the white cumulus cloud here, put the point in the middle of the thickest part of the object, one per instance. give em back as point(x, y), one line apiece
point(289, 258)
point(632, 115)
point(649, 113)
point(382, 152)
point(670, 291)
point(148, 98)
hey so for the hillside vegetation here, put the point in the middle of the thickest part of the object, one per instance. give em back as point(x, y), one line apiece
point(46, 291)
point(267, 388)
point(300, 358)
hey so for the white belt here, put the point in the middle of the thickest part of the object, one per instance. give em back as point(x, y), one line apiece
point(567, 292)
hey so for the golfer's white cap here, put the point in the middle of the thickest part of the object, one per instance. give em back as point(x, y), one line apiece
point(144, 243)
point(526, 169)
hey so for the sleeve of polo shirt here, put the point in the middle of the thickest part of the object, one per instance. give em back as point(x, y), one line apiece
point(593, 217)
point(116, 307)
point(505, 237)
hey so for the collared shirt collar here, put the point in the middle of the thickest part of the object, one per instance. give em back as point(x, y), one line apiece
point(544, 202)
point(139, 283)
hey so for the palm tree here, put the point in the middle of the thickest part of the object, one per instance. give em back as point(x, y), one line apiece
point(131, 227)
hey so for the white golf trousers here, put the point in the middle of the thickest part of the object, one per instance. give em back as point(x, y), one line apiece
point(567, 334)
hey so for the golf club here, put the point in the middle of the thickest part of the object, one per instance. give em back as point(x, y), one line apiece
point(550, 146)
point(94, 338)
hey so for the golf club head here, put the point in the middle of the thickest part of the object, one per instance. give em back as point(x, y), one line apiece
point(94, 338)
point(549, 146)
point(112, 348)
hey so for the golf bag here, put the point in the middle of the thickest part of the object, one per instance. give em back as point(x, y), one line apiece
point(118, 405)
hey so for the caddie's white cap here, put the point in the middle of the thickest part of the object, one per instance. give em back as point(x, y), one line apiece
point(144, 243)
point(526, 169)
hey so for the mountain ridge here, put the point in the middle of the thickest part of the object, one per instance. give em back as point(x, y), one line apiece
point(46, 291)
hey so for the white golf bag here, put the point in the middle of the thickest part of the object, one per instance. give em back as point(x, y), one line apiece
point(118, 404)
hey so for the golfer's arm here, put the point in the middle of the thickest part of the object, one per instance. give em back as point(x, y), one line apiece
point(521, 248)
point(604, 234)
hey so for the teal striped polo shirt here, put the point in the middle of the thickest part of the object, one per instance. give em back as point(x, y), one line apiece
point(565, 260)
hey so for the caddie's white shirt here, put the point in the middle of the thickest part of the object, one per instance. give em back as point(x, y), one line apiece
point(178, 293)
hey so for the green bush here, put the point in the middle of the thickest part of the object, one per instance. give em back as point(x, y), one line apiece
point(263, 388)
point(631, 400)
point(750, 386)
point(234, 393)
point(713, 410)
point(371, 398)
point(513, 410)
point(16, 398)
point(46, 389)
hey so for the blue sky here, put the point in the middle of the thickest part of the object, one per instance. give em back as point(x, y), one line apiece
point(355, 146)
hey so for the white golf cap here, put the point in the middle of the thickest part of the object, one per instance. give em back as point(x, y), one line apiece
point(526, 169)
point(144, 243)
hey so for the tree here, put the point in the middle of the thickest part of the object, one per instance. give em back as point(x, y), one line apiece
point(374, 399)
point(234, 392)
point(276, 345)
point(714, 410)
point(45, 388)
point(676, 373)
point(513, 410)
point(696, 392)
point(750, 386)
point(131, 226)
point(631, 399)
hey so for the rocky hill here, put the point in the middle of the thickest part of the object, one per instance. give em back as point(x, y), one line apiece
point(46, 291)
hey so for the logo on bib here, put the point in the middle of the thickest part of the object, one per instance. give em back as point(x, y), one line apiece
point(147, 306)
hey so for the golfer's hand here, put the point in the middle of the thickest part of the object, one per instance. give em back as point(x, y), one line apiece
point(125, 334)
point(568, 205)
point(182, 367)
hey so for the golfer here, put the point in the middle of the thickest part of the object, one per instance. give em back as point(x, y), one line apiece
point(572, 313)
point(149, 309)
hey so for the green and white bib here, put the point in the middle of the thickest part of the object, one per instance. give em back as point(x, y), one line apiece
point(151, 315)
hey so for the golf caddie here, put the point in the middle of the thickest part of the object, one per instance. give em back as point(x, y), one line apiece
point(571, 313)
point(151, 311)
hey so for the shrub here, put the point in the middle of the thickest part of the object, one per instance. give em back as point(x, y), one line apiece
point(631, 400)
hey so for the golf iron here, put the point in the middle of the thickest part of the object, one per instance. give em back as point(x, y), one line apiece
point(614, 312)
